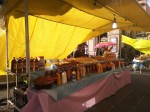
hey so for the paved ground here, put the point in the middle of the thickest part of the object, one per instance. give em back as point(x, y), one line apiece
point(3, 96)
point(134, 97)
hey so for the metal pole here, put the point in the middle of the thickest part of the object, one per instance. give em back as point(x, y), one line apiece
point(120, 48)
point(120, 41)
point(7, 62)
point(27, 42)
point(98, 49)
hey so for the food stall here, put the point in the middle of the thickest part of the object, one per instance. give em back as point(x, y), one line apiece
point(54, 33)
point(77, 95)
point(50, 91)
point(80, 100)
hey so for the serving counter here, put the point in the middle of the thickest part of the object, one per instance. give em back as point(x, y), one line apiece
point(77, 96)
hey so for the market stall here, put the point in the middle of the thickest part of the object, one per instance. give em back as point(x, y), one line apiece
point(77, 96)
point(50, 27)
point(59, 80)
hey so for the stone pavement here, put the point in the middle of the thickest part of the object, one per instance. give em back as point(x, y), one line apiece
point(3, 103)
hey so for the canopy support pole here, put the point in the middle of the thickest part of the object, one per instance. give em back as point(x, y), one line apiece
point(120, 40)
point(27, 43)
point(5, 27)
point(7, 62)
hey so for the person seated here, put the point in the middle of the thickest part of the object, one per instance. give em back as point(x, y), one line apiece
point(137, 64)
point(79, 52)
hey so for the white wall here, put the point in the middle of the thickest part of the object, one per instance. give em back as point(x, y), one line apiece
point(91, 43)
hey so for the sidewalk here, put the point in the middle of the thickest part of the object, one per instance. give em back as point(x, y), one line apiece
point(3, 92)
point(3, 101)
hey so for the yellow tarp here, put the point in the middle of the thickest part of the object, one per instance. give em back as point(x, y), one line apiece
point(56, 27)
point(2, 52)
point(139, 44)
point(92, 14)
point(49, 39)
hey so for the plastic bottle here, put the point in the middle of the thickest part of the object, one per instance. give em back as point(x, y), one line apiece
point(101, 68)
point(31, 64)
point(58, 79)
point(24, 65)
point(78, 72)
point(36, 64)
point(13, 65)
point(84, 71)
point(98, 68)
point(88, 68)
point(104, 67)
point(19, 65)
point(73, 75)
point(64, 77)
point(113, 66)
point(68, 71)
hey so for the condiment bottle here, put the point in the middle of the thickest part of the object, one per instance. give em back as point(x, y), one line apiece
point(104, 67)
point(98, 68)
point(64, 77)
point(68, 72)
point(92, 67)
point(73, 75)
point(88, 68)
point(58, 78)
point(83, 71)
point(78, 72)
point(101, 68)
point(113, 66)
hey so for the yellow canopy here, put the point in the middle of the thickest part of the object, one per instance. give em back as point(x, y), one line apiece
point(92, 14)
point(2, 52)
point(139, 44)
point(56, 27)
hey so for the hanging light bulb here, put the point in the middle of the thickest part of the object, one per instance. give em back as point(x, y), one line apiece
point(114, 25)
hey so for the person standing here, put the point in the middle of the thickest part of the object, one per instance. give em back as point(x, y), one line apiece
point(79, 52)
